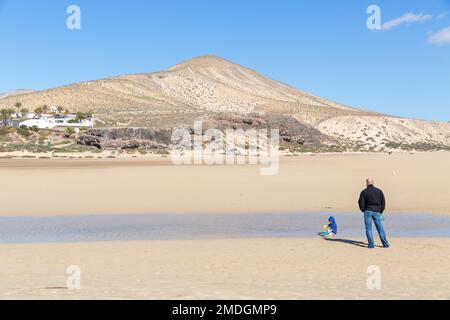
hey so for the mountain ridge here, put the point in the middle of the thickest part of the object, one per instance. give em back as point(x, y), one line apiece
point(209, 85)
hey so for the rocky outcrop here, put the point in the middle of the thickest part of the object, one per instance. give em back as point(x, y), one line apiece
point(291, 131)
point(126, 138)
point(90, 141)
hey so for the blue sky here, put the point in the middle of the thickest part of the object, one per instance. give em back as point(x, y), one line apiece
point(321, 46)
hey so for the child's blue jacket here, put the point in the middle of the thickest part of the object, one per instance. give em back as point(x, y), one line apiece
point(333, 225)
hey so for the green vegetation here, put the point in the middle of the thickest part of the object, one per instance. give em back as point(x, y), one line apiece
point(18, 105)
point(6, 116)
point(80, 116)
point(23, 112)
point(39, 110)
point(418, 146)
point(142, 150)
point(24, 132)
point(296, 148)
point(12, 147)
point(75, 148)
point(69, 132)
point(4, 131)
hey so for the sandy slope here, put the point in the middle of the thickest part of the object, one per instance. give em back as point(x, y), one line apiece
point(206, 82)
point(203, 84)
point(223, 269)
point(412, 183)
point(381, 131)
point(15, 93)
point(210, 84)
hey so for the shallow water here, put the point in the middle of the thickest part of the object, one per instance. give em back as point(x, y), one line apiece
point(201, 226)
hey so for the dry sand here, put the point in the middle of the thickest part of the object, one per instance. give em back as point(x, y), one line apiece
point(418, 183)
point(227, 269)
point(241, 269)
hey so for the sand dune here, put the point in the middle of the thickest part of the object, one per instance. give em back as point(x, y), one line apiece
point(377, 131)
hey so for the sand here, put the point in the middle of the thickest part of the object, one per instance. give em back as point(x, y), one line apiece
point(418, 183)
point(309, 268)
point(303, 268)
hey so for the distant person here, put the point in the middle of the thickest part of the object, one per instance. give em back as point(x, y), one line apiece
point(373, 204)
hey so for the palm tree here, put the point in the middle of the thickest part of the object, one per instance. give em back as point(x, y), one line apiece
point(18, 105)
point(60, 109)
point(24, 112)
point(6, 116)
point(45, 108)
point(39, 110)
point(89, 114)
point(80, 116)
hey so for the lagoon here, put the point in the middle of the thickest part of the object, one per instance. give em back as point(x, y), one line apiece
point(62, 229)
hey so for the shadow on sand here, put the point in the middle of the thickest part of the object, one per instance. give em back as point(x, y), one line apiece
point(346, 241)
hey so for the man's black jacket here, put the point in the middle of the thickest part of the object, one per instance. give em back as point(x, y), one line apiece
point(372, 199)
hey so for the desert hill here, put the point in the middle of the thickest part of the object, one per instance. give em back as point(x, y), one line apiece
point(208, 85)
point(15, 93)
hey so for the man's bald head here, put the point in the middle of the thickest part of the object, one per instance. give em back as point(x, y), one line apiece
point(370, 181)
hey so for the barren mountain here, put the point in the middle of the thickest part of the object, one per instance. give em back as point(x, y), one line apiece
point(210, 86)
point(15, 93)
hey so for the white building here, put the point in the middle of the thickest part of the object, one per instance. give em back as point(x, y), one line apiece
point(51, 122)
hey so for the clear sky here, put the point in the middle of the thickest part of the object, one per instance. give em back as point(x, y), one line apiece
point(321, 46)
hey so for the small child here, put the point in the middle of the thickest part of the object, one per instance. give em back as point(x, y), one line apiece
point(330, 229)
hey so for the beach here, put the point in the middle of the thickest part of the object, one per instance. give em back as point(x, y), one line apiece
point(245, 152)
point(227, 269)
point(267, 267)
point(413, 183)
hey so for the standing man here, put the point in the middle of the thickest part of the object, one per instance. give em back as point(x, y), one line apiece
point(373, 204)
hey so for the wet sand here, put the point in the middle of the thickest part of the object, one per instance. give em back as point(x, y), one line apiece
point(306, 268)
point(95, 228)
point(413, 183)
